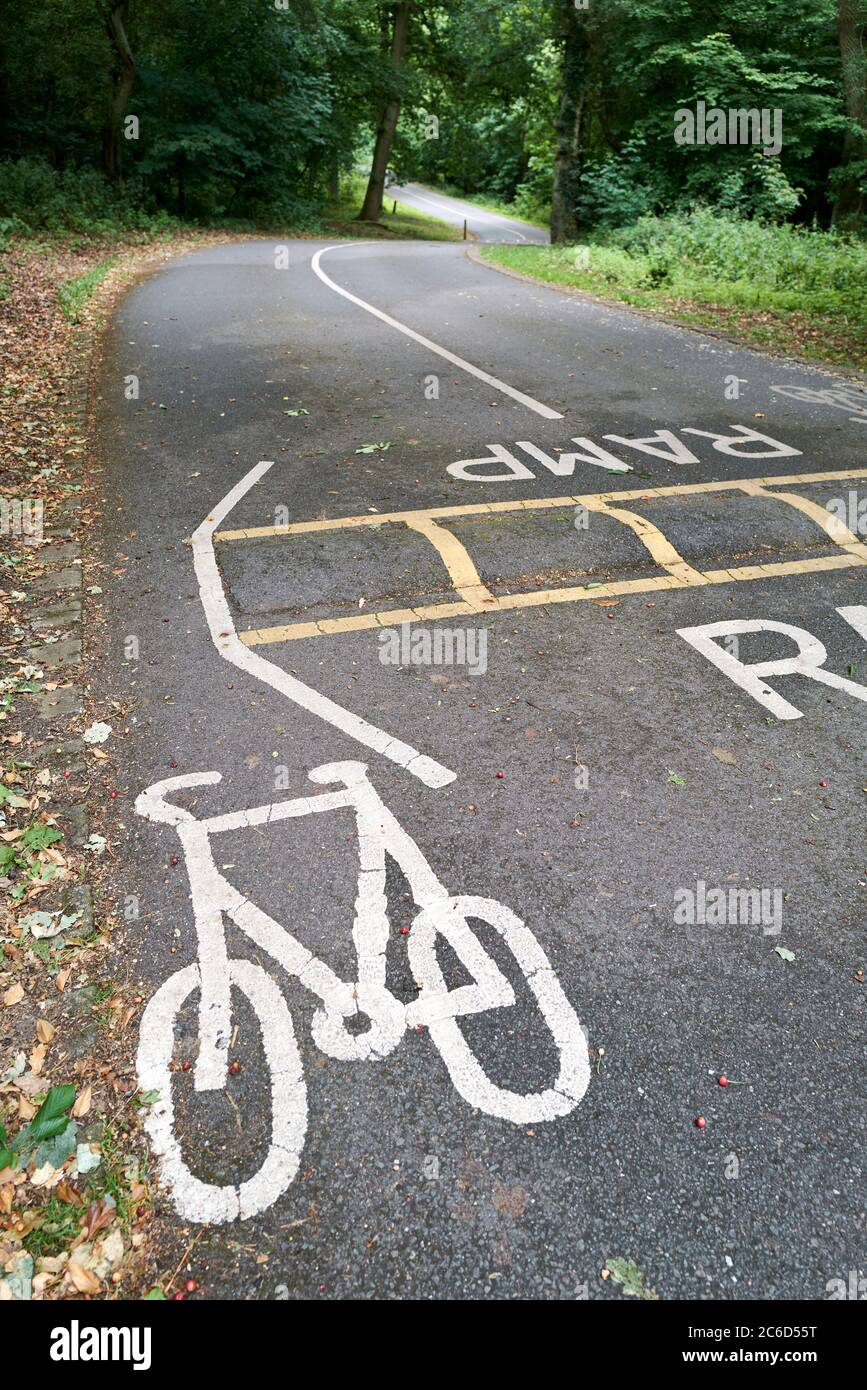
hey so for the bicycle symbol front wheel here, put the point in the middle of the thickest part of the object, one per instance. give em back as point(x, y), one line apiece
point(200, 1201)
point(438, 1008)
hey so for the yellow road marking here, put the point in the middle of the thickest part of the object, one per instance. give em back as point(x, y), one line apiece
point(339, 523)
point(474, 597)
point(455, 556)
point(833, 527)
point(537, 598)
point(659, 547)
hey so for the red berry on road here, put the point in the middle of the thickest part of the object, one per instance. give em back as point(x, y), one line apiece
point(823, 784)
point(235, 1068)
point(191, 1286)
point(404, 931)
point(723, 1081)
point(178, 1296)
point(501, 774)
point(700, 1122)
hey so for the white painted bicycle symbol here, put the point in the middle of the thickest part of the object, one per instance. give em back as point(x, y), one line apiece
point(436, 1008)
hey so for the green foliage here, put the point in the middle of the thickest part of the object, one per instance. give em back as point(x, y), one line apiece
point(72, 295)
point(831, 269)
point(49, 1128)
point(245, 111)
point(36, 197)
point(248, 114)
point(631, 1279)
point(495, 80)
point(50, 1119)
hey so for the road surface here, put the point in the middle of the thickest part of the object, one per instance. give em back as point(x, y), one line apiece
point(555, 739)
point(481, 224)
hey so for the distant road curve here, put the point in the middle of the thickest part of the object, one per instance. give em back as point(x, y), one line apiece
point(487, 226)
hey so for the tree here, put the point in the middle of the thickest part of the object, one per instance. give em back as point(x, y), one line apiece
point(849, 205)
point(115, 16)
point(571, 119)
point(371, 210)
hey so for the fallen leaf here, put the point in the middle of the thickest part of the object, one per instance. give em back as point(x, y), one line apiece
point(99, 1215)
point(83, 1279)
point(37, 1058)
point(87, 1158)
point(112, 1248)
point(13, 1072)
point(82, 1103)
point(13, 995)
point(723, 756)
point(46, 1176)
point(631, 1279)
point(45, 1031)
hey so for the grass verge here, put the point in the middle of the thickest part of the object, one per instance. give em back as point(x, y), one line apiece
point(783, 289)
point(75, 1187)
point(72, 295)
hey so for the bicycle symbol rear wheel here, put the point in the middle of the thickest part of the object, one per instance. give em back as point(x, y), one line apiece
point(200, 1201)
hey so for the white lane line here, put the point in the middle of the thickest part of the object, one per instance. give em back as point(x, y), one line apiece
point(544, 410)
point(231, 648)
point(456, 211)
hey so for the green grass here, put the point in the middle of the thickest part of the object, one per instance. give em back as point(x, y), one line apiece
point(780, 287)
point(406, 222)
point(72, 295)
point(58, 1227)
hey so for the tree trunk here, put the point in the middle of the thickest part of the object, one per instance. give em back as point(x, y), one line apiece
point(849, 206)
point(115, 15)
point(568, 153)
point(372, 207)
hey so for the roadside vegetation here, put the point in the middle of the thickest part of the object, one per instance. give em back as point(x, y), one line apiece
point(781, 287)
point(75, 1186)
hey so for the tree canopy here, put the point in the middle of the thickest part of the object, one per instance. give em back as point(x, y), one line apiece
point(252, 109)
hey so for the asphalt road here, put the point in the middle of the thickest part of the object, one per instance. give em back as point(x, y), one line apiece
point(481, 224)
point(634, 770)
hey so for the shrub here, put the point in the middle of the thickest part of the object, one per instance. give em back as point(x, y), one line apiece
point(36, 197)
